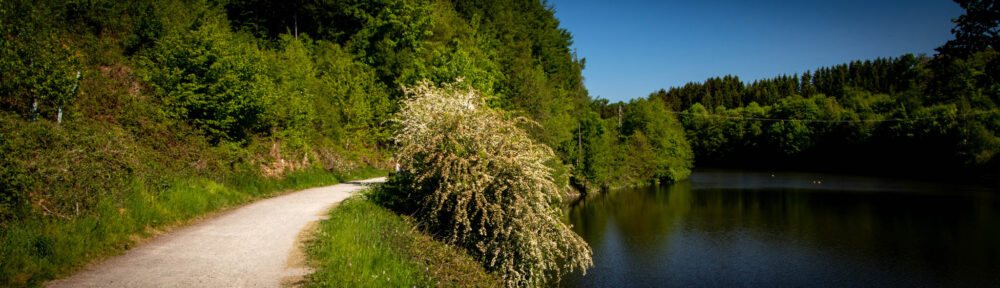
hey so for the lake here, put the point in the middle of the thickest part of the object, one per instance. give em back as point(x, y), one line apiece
point(727, 228)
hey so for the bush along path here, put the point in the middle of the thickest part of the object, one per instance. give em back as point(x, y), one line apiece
point(250, 246)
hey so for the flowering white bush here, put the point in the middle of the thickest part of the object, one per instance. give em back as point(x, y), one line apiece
point(478, 181)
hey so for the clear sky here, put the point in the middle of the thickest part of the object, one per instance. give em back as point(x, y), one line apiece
point(637, 47)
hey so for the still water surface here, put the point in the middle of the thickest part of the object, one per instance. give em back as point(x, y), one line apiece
point(726, 228)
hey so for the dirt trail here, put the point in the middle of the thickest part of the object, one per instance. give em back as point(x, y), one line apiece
point(250, 246)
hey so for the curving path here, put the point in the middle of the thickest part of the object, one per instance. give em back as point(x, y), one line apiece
point(250, 246)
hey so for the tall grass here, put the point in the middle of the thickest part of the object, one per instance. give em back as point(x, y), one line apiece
point(37, 249)
point(365, 245)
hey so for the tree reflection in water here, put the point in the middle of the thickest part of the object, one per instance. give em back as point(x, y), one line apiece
point(724, 228)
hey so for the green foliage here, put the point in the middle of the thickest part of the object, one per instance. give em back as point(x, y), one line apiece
point(353, 89)
point(542, 77)
point(288, 104)
point(210, 77)
point(594, 160)
point(364, 245)
point(459, 49)
point(514, 52)
point(661, 137)
point(705, 135)
point(147, 30)
point(47, 169)
point(203, 127)
point(624, 144)
point(880, 76)
point(967, 71)
point(388, 34)
point(976, 30)
point(860, 126)
point(40, 66)
point(792, 137)
point(481, 183)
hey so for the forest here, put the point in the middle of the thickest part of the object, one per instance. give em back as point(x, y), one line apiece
point(908, 115)
point(105, 105)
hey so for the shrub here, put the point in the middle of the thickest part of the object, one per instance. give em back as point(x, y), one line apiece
point(477, 180)
point(39, 65)
point(210, 77)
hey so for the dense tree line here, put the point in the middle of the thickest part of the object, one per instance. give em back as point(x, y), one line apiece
point(910, 113)
point(880, 76)
point(625, 143)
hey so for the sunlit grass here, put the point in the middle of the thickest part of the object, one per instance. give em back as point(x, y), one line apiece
point(35, 250)
point(365, 245)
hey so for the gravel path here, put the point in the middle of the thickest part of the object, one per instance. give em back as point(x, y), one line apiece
point(250, 246)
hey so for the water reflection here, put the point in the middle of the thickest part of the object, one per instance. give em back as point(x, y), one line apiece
point(731, 228)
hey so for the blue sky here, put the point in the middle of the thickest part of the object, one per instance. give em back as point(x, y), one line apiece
point(637, 47)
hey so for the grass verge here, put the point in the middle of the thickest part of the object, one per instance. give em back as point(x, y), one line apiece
point(38, 249)
point(365, 245)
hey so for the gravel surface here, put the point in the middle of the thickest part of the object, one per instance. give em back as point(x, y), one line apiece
point(250, 246)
